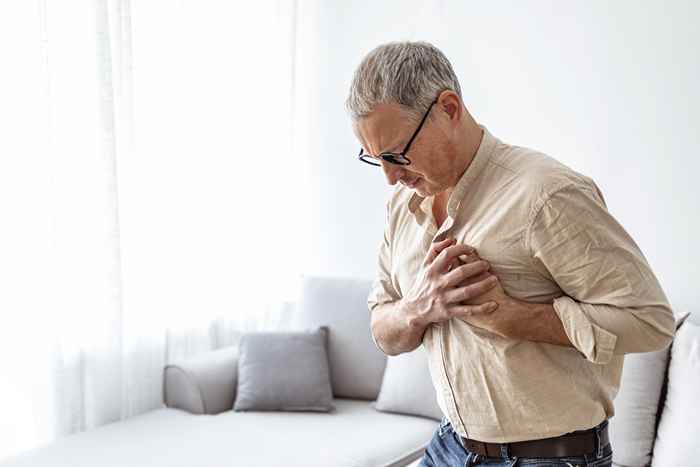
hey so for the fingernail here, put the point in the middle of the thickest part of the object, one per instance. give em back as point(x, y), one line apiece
point(493, 306)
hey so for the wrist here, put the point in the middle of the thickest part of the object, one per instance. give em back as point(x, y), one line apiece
point(412, 318)
point(538, 322)
point(518, 312)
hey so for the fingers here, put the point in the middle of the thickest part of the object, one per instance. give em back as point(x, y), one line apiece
point(450, 253)
point(470, 291)
point(479, 277)
point(459, 274)
point(473, 256)
point(473, 310)
point(435, 249)
point(461, 259)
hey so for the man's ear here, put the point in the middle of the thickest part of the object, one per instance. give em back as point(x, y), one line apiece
point(450, 104)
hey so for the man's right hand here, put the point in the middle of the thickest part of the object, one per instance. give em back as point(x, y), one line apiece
point(437, 292)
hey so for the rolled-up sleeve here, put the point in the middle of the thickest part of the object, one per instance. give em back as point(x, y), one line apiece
point(382, 290)
point(613, 303)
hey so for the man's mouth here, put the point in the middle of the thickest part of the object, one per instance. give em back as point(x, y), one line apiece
point(413, 183)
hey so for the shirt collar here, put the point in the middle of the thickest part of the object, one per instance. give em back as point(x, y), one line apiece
point(482, 156)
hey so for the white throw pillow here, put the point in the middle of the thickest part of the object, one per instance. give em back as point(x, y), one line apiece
point(407, 387)
point(678, 437)
point(633, 427)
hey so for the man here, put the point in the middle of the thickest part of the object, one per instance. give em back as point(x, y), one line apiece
point(506, 265)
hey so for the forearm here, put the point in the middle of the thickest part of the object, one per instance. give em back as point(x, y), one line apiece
point(392, 330)
point(635, 329)
point(537, 322)
point(597, 331)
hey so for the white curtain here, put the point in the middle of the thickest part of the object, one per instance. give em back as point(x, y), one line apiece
point(152, 198)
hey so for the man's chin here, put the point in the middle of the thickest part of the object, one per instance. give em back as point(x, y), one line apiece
point(422, 190)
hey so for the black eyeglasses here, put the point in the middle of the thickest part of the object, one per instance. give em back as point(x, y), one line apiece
point(395, 157)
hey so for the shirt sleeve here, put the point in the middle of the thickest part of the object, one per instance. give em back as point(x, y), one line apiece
point(382, 289)
point(612, 303)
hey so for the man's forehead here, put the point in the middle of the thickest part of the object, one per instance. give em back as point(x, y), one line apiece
point(382, 129)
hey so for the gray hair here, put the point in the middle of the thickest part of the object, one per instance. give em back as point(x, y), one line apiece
point(411, 74)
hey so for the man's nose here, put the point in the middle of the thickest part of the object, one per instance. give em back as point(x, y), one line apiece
point(393, 172)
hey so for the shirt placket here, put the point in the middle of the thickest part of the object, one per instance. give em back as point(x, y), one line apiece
point(431, 233)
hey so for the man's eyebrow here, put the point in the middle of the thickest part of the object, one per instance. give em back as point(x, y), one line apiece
point(397, 147)
point(394, 148)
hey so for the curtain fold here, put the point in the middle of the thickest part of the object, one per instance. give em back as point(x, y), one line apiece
point(152, 199)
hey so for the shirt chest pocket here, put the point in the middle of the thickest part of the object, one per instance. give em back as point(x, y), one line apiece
point(510, 262)
point(524, 284)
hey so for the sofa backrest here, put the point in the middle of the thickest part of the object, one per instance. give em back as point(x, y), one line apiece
point(356, 365)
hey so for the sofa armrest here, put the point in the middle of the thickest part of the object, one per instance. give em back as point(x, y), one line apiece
point(204, 384)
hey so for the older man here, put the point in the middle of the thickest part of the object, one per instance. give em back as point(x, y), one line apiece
point(506, 265)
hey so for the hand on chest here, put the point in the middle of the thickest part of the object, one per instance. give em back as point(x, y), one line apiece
point(500, 241)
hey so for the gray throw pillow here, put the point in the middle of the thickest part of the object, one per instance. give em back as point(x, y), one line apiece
point(284, 371)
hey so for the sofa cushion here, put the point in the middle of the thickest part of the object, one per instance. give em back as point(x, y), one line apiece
point(356, 364)
point(679, 427)
point(407, 387)
point(284, 370)
point(203, 384)
point(354, 435)
point(633, 427)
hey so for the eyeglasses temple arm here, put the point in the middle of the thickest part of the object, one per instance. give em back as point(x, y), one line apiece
point(420, 125)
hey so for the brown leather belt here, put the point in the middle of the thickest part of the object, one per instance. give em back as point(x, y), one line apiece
point(576, 443)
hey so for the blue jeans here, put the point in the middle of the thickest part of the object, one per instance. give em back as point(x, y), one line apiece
point(445, 450)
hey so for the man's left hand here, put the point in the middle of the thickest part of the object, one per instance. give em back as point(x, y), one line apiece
point(503, 320)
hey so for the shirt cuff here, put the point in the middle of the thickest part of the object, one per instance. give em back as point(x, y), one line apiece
point(595, 343)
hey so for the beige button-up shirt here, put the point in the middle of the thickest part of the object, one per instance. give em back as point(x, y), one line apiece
point(549, 237)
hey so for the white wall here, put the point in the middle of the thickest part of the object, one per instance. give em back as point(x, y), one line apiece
point(609, 88)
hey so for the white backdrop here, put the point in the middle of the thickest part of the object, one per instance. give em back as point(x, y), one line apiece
point(608, 88)
point(152, 206)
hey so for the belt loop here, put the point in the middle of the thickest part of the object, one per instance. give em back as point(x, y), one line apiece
point(505, 452)
point(443, 425)
point(598, 444)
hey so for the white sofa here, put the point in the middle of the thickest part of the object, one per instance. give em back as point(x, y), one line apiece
point(197, 426)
